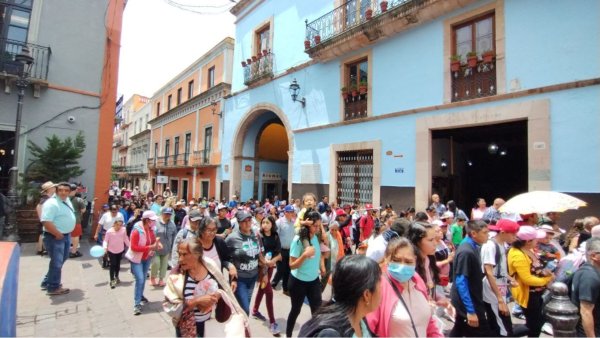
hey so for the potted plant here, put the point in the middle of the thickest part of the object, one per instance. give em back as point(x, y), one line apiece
point(369, 13)
point(455, 63)
point(259, 56)
point(244, 64)
point(306, 44)
point(472, 59)
point(384, 6)
point(345, 93)
point(254, 59)
point(488, 56)
point(265, 52)
point(362, 88)
point(354, 90)
point(317, 39)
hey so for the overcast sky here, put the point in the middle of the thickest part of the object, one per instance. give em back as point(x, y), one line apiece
point(159, 41)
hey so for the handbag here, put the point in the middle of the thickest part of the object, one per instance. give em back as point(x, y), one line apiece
point(222, 311)
point(238, 325)
point(174, 302)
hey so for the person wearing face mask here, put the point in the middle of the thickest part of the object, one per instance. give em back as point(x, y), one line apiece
point(404, 309)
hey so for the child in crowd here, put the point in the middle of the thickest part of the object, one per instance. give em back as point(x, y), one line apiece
point(114, 244)
point(547, 252)
point(309, 201)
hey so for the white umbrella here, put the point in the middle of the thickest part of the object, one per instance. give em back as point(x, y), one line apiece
point(541, 202)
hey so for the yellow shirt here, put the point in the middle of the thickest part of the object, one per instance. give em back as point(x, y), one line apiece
point(299, 218)
point(519, 266)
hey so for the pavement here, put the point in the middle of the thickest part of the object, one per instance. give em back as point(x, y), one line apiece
point(92, 308)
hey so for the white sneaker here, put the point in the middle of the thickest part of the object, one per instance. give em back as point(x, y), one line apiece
point(274, 329)
point(547, 329)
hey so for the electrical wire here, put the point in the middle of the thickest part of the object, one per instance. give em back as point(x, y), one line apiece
point(208, 9)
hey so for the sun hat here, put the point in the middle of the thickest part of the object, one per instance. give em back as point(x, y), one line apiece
point(528, 233)
point(548, 228)
point(47, 185)
point(150, 215)
point(505, 225)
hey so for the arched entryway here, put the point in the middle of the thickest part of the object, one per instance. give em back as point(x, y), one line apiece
point(262, 155)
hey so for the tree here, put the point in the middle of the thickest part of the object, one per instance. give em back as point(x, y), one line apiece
point(59, 161)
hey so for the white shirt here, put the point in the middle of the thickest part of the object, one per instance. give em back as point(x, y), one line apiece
point(107, 220)
point(488, 256)
point(214, 255)
point(376, 248)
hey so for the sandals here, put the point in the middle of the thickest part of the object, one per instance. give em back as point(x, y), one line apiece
point(58, 292)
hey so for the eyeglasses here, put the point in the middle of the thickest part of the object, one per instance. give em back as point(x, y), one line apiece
point(210, 231)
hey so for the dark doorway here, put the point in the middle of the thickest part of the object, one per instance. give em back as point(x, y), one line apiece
point(486, 161)
point(270, 189)
point(184, 189)
point(7, 145)
point(204, 191)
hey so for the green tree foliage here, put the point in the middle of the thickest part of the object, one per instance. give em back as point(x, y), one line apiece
point(58, 161)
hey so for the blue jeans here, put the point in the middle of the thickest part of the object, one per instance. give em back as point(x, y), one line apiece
point(58, 251)
point(243, 293)
point(140, 271)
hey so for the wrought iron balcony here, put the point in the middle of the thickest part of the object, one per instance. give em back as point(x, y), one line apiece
point(355, 106)
point(129, 169)
point(474, 82)
point(202, 157)
point(358, 23)
point(40, 54)
point(259, 67)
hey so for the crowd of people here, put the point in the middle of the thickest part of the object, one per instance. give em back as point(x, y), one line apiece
point(391, 272)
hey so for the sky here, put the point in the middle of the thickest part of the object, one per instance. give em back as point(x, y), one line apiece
point(159, 41)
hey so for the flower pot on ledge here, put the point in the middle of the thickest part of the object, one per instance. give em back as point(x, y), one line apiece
point(254, 59)
point(249, 61)
point(369, 14)
point(317, 39)
point(265, 52)
point(488, 57)
point(472, 61)
point(345, 96)
point(384, 6)
point(454, 66)
point(244, 64)
point(306, 44)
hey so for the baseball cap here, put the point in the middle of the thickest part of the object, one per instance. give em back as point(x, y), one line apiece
point(259, 210)
point(167, 211)
point(289, 208)
point(528, 233)
point(105, 206)
point(368, 206)
point(505, 225)
point(150, 215)
point(242, 215)
point(179, 203)
point(439, 223)
point(195, 215)
point(447, 214)
point(340, 212)
point(47, 186)
point(347, 206)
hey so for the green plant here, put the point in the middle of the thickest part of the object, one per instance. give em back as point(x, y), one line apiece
point(455, 58)
point(58, 161)
point(344, 89)
point(353, 88)
point(363, 83)
point(489, 52)
point(471, 54)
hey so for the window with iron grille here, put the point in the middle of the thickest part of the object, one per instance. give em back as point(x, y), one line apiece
point(354, 91)
point(355, 177)
point(474, 78)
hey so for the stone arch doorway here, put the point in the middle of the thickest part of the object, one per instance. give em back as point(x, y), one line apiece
point(262, 155)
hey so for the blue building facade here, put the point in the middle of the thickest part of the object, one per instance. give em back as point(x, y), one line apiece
point(388, 117)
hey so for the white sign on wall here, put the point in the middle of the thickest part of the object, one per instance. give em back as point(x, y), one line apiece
point(162, 179)
point(310, 173)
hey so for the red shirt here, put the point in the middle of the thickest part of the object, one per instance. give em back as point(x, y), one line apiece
point(138, 247)
point(367, 223)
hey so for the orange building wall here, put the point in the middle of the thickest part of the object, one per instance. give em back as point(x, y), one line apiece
point(108, 94)
point(217, 62)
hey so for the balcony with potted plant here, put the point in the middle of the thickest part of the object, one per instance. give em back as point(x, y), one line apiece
point(258, 68)
point(355, 101)
point(354, 25)
point(474, 79)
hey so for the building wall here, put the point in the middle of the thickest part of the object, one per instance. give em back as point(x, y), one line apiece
point(408, 73)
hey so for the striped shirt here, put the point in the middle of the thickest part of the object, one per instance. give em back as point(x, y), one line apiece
point(194, 289)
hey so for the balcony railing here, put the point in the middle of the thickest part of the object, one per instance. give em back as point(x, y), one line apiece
point(474, 82)
point(202, 157)
point(355, 106)
point(257, 68)
point(352, 14)
point(131, 169)
point(41, 58)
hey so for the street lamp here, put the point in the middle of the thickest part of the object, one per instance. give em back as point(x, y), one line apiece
point(294, 89)
point(22, 82)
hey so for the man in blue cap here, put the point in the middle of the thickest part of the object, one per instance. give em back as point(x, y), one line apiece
point(286, 232)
